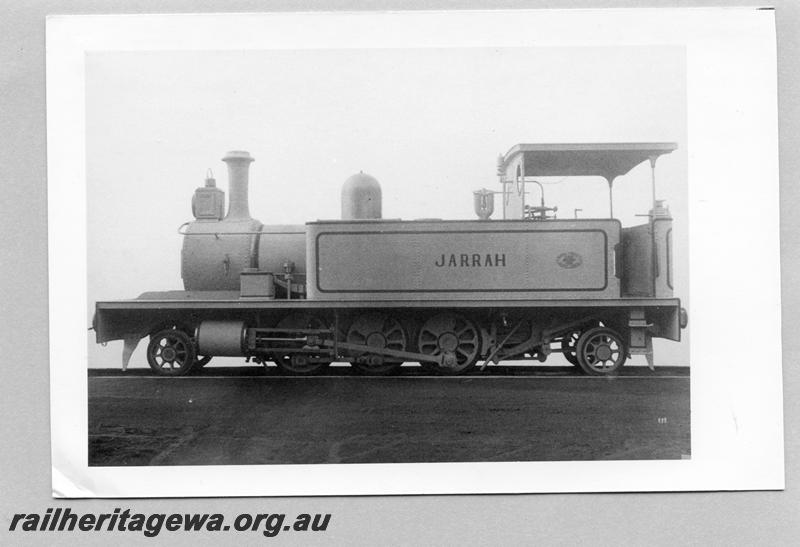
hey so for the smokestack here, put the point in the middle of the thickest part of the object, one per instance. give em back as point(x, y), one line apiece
point(238, 175)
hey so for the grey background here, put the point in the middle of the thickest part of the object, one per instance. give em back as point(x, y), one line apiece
point(720, 518)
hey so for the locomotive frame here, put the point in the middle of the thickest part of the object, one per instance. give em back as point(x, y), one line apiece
point(376, 314)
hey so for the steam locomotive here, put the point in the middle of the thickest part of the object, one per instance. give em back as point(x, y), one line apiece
point(446, 294)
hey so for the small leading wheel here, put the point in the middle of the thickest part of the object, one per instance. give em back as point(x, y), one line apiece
point(304, 364)
point(601, 351)
point(171, 353)
point(569, 343)
point(379, 331)
point(453, 336)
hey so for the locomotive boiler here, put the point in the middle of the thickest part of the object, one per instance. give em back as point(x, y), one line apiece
point(446, 294)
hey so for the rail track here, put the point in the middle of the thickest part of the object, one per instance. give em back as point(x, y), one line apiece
point(407, 371)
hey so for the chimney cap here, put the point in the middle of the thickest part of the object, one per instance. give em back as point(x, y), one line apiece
point(238, 155)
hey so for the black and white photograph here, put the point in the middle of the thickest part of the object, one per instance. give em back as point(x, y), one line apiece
point(392, 257)
point(408, 297)
point(399, 273)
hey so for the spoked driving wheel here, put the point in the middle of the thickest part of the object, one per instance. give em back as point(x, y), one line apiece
point(171, 353)
point(601, 351)
point(302, 363)
point(452, 336)
point(379, 331)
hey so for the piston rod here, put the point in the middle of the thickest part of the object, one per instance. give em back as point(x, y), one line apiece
point(407, 355)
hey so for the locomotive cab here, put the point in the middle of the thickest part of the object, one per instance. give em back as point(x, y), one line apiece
point(645, 257)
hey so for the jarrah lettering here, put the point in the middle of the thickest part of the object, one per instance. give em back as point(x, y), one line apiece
point(473, 260)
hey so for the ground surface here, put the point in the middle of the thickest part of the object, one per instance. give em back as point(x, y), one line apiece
point(248, 415)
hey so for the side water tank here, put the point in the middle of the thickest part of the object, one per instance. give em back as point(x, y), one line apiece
point(361, 198)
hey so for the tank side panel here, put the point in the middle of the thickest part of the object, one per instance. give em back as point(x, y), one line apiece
point(461, 260)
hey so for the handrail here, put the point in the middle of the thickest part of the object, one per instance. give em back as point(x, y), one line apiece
point(217, 234)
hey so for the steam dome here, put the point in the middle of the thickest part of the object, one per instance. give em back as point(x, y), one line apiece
point(361, 197)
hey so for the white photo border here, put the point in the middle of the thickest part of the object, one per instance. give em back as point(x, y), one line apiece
point(734, 255)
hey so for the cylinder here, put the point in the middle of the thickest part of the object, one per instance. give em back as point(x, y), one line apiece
point(361, 198)
point(221, 338)
point(238, 179)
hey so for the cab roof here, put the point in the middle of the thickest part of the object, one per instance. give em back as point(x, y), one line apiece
point(609, 160)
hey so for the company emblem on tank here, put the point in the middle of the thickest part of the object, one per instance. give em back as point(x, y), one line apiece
point(569, 260)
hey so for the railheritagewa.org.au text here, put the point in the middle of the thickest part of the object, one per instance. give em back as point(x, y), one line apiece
point(63, 519)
